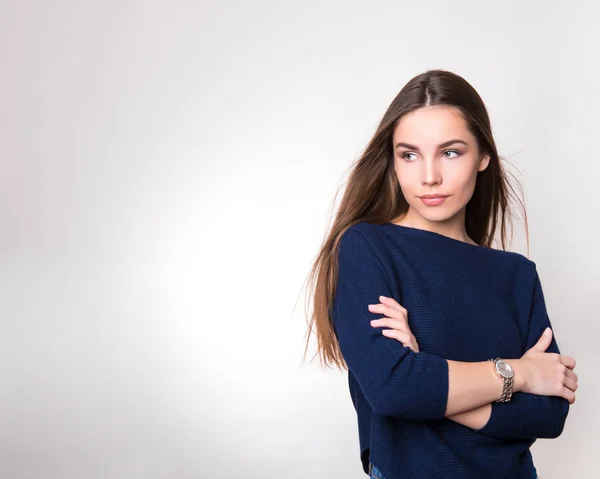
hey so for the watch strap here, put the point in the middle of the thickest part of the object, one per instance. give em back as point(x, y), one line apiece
point(507, 387)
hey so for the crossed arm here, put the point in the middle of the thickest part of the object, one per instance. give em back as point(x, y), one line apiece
point(421, 386)
point(526, 416)
point(475, 418)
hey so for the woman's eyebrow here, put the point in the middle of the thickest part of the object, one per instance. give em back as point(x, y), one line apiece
point(441, 145)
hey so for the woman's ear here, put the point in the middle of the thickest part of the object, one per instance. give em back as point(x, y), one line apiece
point(484, 162)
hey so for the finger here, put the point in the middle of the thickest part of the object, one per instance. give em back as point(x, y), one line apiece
point(394, 324)
point(544, 341)
point(398, 326)
point(568, 361)
point(390, 323)
point(388, 311)
point(572, 375)
point(568, 395)
point(393, 303)
point(400, 336)
point(570, 384)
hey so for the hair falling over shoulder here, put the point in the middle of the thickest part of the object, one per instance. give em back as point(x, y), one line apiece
point(373, 194)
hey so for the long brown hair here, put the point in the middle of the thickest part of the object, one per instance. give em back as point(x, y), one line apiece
point(373, 193)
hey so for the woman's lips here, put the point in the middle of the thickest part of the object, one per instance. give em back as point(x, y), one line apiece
point(433, 200)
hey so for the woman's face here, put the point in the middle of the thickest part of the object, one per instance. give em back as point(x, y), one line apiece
point(436, 154)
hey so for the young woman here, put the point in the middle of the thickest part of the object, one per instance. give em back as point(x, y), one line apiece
point(453, 368)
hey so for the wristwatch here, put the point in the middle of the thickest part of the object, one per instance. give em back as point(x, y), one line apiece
point(506, 372)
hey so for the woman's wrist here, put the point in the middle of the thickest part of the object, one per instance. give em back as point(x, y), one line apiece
point(520, 374)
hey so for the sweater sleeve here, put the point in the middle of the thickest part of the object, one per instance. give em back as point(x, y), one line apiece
point(395, 380)
point(526, 415)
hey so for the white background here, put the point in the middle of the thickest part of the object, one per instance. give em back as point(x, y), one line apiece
point(167, 175)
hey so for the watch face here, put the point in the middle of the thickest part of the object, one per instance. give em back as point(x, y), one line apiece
point(504, 369)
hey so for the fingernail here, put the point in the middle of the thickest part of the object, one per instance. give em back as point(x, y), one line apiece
point(547, 332)
point(384, 297)
point(371, 306)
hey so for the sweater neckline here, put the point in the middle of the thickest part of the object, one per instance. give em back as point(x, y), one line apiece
point(433, 234)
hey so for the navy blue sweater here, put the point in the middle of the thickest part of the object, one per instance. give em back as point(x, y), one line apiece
point(465, 303)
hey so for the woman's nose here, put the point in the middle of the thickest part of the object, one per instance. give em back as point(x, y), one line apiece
point(430, 173)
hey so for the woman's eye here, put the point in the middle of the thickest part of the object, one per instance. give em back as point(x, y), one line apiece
point(448, 154)
point(451, 151)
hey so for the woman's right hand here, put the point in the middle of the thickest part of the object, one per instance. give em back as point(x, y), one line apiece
point(396, 318)
point(547, 374)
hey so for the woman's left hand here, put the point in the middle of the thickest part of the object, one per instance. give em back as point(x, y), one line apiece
point(396, 319)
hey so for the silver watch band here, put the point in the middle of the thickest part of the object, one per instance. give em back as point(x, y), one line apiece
point(507, 387)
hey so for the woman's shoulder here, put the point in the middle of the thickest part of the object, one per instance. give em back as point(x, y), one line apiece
point(358, 236)
point(362, 227)
point(364, 235)
point(378, 235)
point(384, 237)
point(361, 242)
